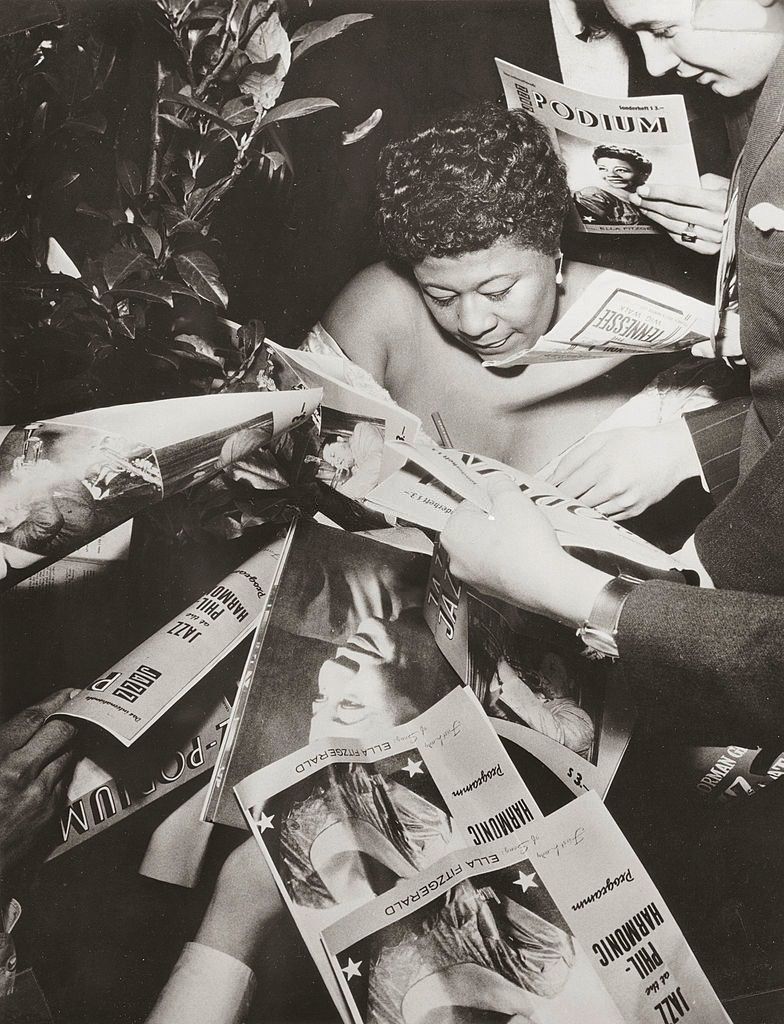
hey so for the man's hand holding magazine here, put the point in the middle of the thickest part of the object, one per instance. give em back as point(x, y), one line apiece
point(535, 572)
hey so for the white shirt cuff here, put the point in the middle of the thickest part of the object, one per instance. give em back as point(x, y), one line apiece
point(689, 559)
point(697, 465)
point(205, 987)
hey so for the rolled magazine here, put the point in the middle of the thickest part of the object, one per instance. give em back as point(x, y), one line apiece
point(66, 481)
point(431, 482)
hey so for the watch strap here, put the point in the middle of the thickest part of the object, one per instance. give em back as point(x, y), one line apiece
point(600, 630)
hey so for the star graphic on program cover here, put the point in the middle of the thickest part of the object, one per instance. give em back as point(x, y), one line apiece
point(265, 822)
point(525, 881)
point(352, 970)
point(413, 768)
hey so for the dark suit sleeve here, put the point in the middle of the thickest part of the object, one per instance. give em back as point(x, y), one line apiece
point(741, 542)
point(707, 664)
point(716, 433)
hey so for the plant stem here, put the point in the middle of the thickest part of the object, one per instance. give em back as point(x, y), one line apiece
point(155, 130)
point(236, 170)
point(225, 54)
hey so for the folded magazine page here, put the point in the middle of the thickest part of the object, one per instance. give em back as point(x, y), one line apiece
point(331, 374)
point(342, 649)
point(432, 481)
point(620, 313)
point(610, 147)
point(353, 425)
point(559, 924)
point(533, 673)
point(133, 694)
point(553, 772)
point(340, 822)
point(66, 481)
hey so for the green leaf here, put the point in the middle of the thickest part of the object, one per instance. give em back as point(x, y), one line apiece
point(262, 82)
point(64, 180)
point(91, 122)
point(188, 101)
point(239, 111)
point(153, 291)
point(200, 272)
point(324, 31)
point(120, 263)
point(296, 108)
point(305, 30)
point(211, 11)
point(129, 177)
point(193, 346)
point(250, 336)
point(176, 121)
point(153, 239)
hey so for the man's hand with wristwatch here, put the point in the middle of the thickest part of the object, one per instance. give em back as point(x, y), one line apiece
point(515, 555)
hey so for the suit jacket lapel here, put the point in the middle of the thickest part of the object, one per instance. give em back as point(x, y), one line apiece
point(766, 128)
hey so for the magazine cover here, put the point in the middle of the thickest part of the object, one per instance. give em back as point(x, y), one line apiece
point(431, 482)
point(610, 147)
point(340, 822)
point(66, 481)
point(556, 925)
point(720, 774)
point(346, 648)
point(343, 649)
point(531, 672)
point(134, 693)
point(111, 781)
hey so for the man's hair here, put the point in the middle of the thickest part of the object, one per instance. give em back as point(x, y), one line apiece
point(640, 163)
point(469, 180)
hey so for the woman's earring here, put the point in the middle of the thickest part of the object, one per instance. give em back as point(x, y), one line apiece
point(559, 269)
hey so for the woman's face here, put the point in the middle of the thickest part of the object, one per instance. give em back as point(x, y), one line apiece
point(618, 173)
point(732, 57)
point(338, 454)
point(494, 301)
point(357, 696)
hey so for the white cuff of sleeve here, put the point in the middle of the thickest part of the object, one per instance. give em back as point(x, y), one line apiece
point(697, 465)
point(689, 559)
point(205, 987)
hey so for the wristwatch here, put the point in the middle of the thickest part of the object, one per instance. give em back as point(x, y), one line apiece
point(599, 632)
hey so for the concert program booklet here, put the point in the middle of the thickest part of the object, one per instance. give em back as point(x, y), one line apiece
point(342, 820)
point(136, 691)
point(556, 923)
point(66, 481)
point(653, 131)
point(344, 648)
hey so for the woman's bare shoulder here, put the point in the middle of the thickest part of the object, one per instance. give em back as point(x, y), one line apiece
point(373, 314)
point(378, 297)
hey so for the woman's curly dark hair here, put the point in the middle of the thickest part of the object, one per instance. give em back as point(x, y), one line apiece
point(640, 163)
point(472, 178)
